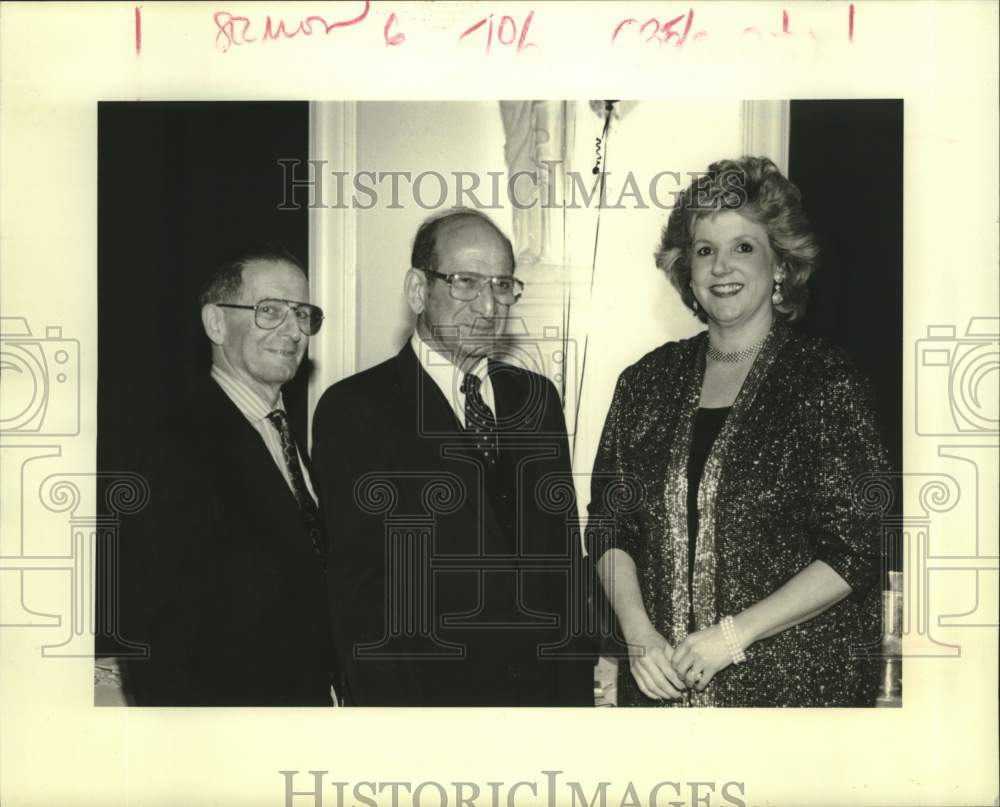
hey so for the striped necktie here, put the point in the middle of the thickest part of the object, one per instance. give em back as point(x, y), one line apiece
point(302, 496)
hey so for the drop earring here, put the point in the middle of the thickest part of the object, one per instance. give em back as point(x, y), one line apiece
point(777, 298)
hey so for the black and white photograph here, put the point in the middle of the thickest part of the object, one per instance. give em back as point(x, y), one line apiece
point(416, 555)
point(403, 402)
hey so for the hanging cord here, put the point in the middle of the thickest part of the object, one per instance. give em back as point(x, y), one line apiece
point(600, 185)
point(567, 288)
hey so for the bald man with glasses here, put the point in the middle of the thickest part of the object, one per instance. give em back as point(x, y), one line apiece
point(224, 575)
point(452, 581)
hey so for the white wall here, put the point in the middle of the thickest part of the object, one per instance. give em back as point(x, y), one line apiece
point(635, 308)
point(415, 137)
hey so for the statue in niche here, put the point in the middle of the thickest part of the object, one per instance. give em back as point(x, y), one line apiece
point(535, 152)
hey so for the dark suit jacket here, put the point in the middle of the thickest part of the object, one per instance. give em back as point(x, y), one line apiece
point(450, 585)
point(219, 575)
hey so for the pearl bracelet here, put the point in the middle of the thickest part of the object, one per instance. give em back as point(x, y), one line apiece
point(731, 639)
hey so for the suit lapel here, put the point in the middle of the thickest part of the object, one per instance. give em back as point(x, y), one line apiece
point(519, 398)
point(517, 408)
point(242, 441)
point(422, 399)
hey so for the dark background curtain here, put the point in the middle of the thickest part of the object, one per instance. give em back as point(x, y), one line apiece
point(179, 185)
point(847, 159)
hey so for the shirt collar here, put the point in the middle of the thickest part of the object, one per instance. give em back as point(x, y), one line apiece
point(253, 407)
point(447, 376)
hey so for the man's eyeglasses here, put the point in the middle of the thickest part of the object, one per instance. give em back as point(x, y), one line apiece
point(467, 286)
point(270, 314)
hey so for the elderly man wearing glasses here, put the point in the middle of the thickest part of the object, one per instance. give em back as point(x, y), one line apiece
point(452, 584)
point(223, 574)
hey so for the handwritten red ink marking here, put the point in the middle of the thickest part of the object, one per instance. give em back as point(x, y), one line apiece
point(138, 30)
point(233, 30)
point(522, 43)
point(622, 24)
point(679, 30)
point(475, 27)
point(395, 39)
point(270, 32)
point(664, 33)
point(507, 24)
point(226, 24)
point(513, 30)
point(668, 31)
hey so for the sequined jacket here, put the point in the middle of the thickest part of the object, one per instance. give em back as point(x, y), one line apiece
point(782, 487)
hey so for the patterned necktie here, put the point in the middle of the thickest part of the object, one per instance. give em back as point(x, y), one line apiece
point(305, 501)
point(479, 418)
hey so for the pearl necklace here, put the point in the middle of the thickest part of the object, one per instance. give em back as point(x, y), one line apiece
point(736, 356)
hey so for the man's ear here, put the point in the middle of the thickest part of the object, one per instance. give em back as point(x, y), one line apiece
point(415, 288)
point(214, 321)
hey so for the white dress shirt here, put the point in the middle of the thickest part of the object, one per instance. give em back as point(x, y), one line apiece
point(449, 378)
